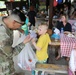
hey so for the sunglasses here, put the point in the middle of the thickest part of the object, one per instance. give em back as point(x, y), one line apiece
point(19, 22)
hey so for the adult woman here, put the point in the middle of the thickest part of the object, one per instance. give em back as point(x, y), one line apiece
point(64, 24)
point(66, 27)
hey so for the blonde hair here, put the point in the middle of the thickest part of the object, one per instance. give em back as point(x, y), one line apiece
point(65, 17)
point(44, 24)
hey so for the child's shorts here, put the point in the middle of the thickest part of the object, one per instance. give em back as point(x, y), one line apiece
point(42, 62)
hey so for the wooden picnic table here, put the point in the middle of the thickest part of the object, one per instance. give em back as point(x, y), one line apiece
point(52, 68)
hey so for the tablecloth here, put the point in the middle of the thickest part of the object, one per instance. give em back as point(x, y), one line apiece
point(67, 44)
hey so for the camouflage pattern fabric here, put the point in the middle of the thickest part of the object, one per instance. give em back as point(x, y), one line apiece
point(6, 51)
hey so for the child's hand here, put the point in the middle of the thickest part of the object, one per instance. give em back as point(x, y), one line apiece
point(34, 43)
point(33, 40)
point(27, 39)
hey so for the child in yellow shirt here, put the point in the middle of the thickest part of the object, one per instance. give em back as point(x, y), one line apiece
point(42, 43)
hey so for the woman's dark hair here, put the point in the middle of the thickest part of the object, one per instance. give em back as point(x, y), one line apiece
point(65, 17)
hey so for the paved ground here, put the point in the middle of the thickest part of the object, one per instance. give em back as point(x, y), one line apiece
point(52, 57)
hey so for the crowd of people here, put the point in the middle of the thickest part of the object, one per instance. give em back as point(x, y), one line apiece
point(67, 9)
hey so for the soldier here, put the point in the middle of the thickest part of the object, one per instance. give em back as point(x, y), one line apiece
point(7, 24)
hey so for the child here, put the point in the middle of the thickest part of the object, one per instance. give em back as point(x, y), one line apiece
point(42, 43)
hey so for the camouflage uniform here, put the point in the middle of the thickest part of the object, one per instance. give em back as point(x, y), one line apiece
point(6, 51)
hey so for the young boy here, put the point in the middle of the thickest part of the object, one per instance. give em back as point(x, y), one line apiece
point(42, 43)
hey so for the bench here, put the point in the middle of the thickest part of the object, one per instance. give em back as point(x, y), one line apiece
point(51, 69)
